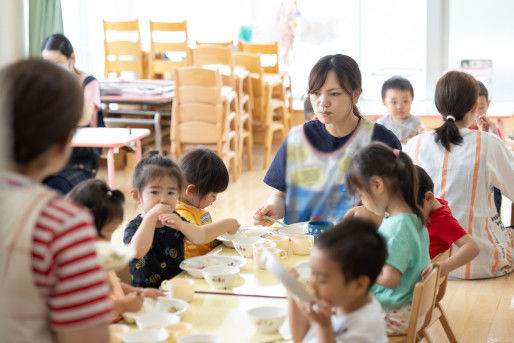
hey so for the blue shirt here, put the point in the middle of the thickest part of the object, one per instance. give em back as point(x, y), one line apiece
point(324, 141)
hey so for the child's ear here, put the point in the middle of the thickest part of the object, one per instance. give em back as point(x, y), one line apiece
point(362, 284)
point(377, 184)
point(356, 95)
point(190, 190)
point(429, 196)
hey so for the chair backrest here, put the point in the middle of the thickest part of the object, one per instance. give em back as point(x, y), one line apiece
point(211, 54)
point(268, 52)
point(122, 55)
point(443, 279)
point(176, 51)
point(252, 63)
point(225, 44)
point(423, 304)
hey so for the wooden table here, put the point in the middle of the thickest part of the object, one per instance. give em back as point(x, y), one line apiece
point(110, 138)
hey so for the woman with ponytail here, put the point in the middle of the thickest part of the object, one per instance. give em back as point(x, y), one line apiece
point(465, 165)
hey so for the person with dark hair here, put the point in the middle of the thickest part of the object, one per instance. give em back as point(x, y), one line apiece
point(345, 262)
point(157, 234)
point(308, 170)
point(206, 176)
point(53, 287)
point(465, 165)
point(397, 96)
point(308, 111)
point(106, 206)
point(387, 182)
point(443, 229)
point(83, 163)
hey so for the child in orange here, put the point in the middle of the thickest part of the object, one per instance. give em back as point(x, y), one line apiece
point(206, 175)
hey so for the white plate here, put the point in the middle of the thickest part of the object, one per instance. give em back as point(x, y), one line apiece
point(288, 280)
point(114, 257)
point(247, 231)
point(172, 305)
point(195, 265)
point(304, 269)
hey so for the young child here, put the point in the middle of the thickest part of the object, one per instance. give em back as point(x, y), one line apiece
point(206, 176)
point(308, 111)
point(158, 233)
point(443, 229)
point(387, 182)
point(106, 206)
point(53, 287)
point(481, 122)
point(397, 96)
point(345, 262)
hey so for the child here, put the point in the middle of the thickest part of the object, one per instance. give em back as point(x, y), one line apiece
point(53, 287)
point(158, 233)
point(106, 205)
point(206, 176)
point(397, 96)
point(387, 182)
point(480, 113)
point(308, 111)
point(443, 229)
point(345, 263)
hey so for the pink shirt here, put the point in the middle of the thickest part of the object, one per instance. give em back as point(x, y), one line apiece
point(92, 94)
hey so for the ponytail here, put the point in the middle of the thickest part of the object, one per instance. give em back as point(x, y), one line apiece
point(448, 133)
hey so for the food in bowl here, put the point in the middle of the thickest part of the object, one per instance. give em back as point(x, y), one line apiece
point(112, 256)
point(195, 265)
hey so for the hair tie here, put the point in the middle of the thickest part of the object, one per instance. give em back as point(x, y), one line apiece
point(396, 152)
point(450, 118)
point(109, 193)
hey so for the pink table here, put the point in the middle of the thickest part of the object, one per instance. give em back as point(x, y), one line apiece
point(110, 138)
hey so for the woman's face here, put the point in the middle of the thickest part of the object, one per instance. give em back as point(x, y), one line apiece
point(58, 58)
point(331, 103)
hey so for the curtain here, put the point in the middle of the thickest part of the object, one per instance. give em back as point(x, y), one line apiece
point(45, 18)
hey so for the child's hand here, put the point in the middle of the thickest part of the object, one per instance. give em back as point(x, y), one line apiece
point(160, 209)
point(486, 125)
point(151, 293)
point(171, 220)
point(319, 313)
point(133, 301)
point(232, 226)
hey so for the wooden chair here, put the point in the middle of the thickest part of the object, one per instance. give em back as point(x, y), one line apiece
point(122, 55)
point(224, 44)
point(421, 310)
point(269, 114)
point(204, 113)
point(158, 65)
point(439, 314)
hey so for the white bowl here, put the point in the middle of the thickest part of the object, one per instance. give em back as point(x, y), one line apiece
point(201, 338)
point(294, 230)
point(148, 306)
point(221, 277)
point(172, 305)
point(195, 265)
point(113, 256)
point(304, 269)
point(156, 320)
point(248, 231)
point(145, 336)
point(267, 319)
point(244, 245)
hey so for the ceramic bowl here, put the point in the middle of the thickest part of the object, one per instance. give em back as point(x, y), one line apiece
point(201, 338)
point(113, 256)
point(172, 305)
point(156, 320)
point(244, 245)
point(145, 336)
point(247, 231)
point(221, 277)
point(267, 319)
point(195, 265)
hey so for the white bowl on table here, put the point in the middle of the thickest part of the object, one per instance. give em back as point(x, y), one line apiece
point(221, 277)
point(248, 231)
point(172, 305)
point(146, 336)
point(267, 319)
point(244, 245)
point(195, 265)
point(201, 338)
point(156, 320)
point(294, 229)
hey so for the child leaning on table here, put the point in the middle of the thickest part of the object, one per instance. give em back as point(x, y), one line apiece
point(157, 234)
point(206, 176)
point(106, 206)
point(443, 229)
point(345, 262)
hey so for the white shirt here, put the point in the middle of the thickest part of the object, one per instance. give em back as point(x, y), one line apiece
point(402, 129)
point(365, 325)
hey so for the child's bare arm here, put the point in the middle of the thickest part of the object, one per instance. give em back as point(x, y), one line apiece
point(143, 238)
point(389, 276)
point(363, 212)
point(468, 250)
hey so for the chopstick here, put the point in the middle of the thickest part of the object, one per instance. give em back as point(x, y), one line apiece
point(242, 295)
point(276, 221)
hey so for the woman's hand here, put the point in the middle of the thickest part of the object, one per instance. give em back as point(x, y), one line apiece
point(259, 218)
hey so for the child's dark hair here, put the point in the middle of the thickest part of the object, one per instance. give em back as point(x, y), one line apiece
point(105, 204)
point(346, 69)
point(455, 94)
point(483, 90)
point(425, 184)
point(45, 104)
point(397, 82)
point(204, 169)
point(155, 165)
point(356, 245)
point(396, 167)
point(308, 111)
point(58, 42)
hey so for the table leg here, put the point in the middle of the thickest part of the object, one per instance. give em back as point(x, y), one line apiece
point(110, 167)
point(138, 150)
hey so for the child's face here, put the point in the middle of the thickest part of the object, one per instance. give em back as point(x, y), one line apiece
point(373, 199)
point(58, 58)
point(398, 103)
point(163, 190)
point(207, 200)
point(483, 105)
point(331, 103)
point(328, 282)
point(109, 228)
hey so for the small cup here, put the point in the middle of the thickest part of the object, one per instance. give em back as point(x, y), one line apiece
point(302, 244)
point(180, 288)
point(178, 330)
point(317, 227)
point(266, 244)
point(244, 245)
point(278, 253)
point(281, 241)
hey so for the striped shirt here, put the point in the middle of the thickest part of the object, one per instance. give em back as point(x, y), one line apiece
point(65, 266)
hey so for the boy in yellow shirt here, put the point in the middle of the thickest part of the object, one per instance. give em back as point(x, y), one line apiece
point(206, 175)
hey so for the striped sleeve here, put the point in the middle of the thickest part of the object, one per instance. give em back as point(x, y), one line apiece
point(66, 268)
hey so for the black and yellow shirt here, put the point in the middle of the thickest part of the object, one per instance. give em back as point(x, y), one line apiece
point(162, 260)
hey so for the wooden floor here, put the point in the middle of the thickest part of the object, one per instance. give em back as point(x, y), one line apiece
point(479, 311)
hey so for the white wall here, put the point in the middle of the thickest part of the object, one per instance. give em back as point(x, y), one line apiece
point(485, 30)
point(11, 31)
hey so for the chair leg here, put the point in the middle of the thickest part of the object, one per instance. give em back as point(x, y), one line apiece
point(267, 146)
point(249, 150)
point(446, 325)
